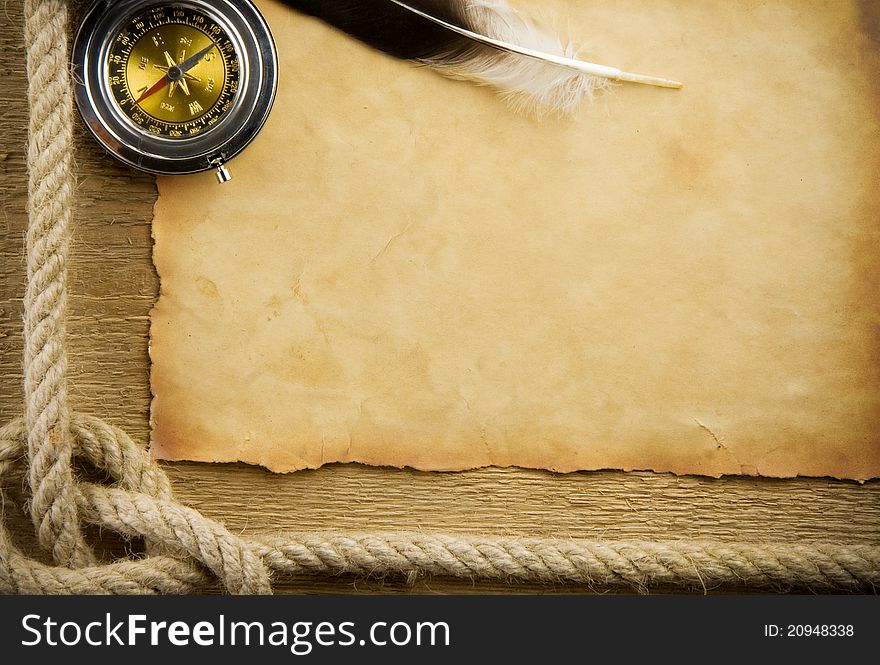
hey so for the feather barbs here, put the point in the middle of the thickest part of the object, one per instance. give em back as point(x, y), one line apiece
point(529, 85)
point(483, 41)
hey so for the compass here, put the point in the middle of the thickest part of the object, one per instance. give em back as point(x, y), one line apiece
point(174, 87)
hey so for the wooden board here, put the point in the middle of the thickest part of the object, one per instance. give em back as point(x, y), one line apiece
point(113, 286)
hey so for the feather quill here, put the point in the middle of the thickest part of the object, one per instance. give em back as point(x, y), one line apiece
point(483, 41)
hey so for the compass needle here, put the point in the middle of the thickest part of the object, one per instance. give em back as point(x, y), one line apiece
point(161, 83)
point(207, 58)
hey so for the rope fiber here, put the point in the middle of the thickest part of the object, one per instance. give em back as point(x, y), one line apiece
point(186, 551)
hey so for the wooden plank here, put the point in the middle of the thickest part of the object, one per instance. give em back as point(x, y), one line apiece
point(113, 286)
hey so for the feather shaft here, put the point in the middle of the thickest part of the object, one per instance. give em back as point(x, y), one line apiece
point(581, 66)
point(486, 42)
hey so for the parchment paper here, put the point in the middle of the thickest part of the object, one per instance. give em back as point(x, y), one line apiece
point(404, 272)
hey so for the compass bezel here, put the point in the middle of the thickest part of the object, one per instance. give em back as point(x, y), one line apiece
point(237, 127)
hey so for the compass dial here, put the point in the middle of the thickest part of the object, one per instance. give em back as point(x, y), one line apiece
point(173, 71)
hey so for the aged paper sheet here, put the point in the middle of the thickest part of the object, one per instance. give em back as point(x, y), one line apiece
point(403, 272)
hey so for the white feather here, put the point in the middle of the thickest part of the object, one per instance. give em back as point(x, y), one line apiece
point(529, 85)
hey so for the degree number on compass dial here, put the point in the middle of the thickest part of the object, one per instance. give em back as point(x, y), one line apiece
point(173, 71)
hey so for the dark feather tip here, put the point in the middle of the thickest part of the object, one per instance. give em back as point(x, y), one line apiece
point(392, 29)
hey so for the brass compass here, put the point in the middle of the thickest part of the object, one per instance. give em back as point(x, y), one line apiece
point(175, 87)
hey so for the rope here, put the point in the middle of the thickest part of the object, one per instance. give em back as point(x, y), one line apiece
point(199, 550)
point(186, 551)
point(50, 193)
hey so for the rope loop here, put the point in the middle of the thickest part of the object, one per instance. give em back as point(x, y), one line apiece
point(136, 504)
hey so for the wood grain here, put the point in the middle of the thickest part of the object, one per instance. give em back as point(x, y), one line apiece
point(113, 286)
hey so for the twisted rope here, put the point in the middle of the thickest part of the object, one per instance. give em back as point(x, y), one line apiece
point(186, 550)
point(198, 549)
point(50, 193)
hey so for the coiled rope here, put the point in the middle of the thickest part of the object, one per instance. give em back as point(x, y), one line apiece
point(187, 551)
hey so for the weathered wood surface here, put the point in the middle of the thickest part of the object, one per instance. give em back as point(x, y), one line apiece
point(113, 286)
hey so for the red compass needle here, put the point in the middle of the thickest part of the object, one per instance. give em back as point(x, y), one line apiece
point(175, 73)
point(161, 83)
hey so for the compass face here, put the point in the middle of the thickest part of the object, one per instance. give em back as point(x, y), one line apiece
point(172, 71)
